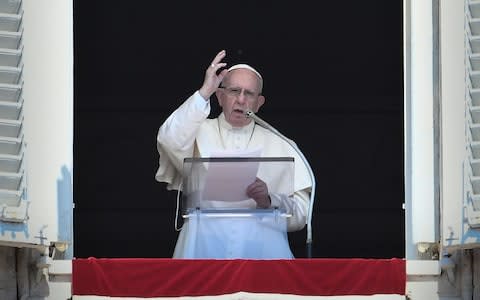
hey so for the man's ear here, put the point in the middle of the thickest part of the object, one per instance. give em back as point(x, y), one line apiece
point(261, 101)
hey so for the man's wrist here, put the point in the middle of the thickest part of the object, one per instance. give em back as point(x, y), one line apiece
point(266, 203)
point(204, 94)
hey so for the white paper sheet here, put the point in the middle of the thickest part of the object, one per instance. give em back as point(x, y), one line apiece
point(228, 181)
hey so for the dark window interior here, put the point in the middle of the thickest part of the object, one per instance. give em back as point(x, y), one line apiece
point(333, 74)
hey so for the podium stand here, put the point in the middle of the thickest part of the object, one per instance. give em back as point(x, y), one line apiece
point(220, 221)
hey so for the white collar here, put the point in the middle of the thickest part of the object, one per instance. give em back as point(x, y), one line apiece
point(225, 125)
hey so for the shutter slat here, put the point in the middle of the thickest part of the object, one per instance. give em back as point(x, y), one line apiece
point(10, 22)
point(10, 146)
point(10, 6)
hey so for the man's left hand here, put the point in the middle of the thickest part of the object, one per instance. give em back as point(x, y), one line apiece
point(258, 191)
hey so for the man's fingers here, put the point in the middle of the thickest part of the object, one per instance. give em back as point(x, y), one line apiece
point(218, 66)
point(257, 188)
point(217, 59)
point(222, 74)
point(212, 80)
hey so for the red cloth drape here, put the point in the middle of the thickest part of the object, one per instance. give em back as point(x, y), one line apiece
point(183, 277)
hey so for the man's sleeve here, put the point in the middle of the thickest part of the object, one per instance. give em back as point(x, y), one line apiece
point(297, 206)
point(176, 138)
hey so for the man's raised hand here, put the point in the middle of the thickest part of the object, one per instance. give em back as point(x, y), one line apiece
point(212, 79)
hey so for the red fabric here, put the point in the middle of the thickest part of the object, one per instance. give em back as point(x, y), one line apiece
point(183, 277)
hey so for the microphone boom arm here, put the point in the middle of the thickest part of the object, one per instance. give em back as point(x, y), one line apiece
point(259, 121)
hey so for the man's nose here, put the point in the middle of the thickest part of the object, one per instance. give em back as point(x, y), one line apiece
point(242, 98)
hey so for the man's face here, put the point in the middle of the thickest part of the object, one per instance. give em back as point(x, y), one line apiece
point(240, 92)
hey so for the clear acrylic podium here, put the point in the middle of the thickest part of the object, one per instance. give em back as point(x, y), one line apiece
point(220, 221)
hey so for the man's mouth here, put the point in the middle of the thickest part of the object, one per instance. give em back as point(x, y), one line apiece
point(239, 111)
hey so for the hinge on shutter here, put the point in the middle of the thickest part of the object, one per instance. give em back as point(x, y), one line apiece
point(15, 214)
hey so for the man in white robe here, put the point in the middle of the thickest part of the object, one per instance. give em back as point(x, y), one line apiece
point(188, 132)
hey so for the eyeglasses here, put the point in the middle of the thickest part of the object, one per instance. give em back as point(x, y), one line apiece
point(236, 92)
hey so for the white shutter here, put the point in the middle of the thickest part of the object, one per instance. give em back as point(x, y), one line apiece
point(460, 123)
point(472, 164)
point(13, 201)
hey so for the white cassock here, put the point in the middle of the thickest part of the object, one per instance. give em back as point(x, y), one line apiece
point(188, 132)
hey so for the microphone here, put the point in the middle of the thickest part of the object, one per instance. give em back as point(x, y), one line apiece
point(259, 121)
